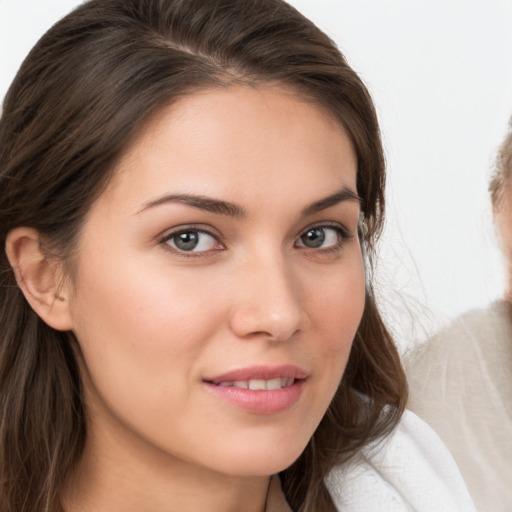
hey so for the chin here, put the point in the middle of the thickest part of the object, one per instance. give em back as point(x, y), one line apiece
point(261, 461)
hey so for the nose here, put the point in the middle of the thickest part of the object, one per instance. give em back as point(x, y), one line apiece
point(268, 301)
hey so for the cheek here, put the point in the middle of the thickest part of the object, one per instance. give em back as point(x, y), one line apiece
point(131, 322)
point(335, 311)
point(150, 303)
point(338, 308)
point(141, 340)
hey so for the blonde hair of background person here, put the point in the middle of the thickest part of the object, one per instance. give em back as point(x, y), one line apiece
point(500, 190)
point(191, 195)
point(461, 379)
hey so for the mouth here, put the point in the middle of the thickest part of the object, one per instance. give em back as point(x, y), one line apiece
point(258, 384)
point(260, 378)
point(260, 390)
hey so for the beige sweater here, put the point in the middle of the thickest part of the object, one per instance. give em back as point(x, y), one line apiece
point(461, 384)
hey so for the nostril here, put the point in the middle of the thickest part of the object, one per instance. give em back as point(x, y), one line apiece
point(261, 324)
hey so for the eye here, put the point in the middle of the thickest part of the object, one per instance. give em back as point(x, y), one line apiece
point(192, 240)
point(321, 237)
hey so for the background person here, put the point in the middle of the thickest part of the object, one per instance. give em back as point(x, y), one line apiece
point(461, 380)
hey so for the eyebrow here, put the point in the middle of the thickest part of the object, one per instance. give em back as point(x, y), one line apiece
point(202, 202)
point(233, 210)
point(345, 194)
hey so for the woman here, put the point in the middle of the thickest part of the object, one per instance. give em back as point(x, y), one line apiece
point(169, 345)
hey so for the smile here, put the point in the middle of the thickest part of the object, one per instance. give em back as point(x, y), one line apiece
point(259, 384)
point(261, 390)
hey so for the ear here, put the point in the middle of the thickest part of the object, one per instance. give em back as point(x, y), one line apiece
point(40, 278)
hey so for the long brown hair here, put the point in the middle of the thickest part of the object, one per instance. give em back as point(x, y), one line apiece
point(80, 96)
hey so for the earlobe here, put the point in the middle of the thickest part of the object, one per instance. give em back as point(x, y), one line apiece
point(39, 278)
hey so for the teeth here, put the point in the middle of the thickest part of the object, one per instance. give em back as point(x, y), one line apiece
point(274, 384)
point(259, 384)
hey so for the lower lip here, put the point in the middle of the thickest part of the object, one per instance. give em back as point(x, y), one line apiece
point(260, 401)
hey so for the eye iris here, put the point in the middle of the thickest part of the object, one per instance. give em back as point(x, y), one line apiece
point(187, 241)
point(314, 237)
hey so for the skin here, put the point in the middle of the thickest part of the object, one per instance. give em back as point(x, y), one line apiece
point(153, 321)
point(502, 217)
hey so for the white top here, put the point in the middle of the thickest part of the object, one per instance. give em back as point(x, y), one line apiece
point(409, 471)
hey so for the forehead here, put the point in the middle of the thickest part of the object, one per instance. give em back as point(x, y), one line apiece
point(239, 139)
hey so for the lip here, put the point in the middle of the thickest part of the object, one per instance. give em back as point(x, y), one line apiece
point(287, 371)
point(259, 401)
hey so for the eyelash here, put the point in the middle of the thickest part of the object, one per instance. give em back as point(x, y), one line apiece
point(189, 229)
point(341, 232)
point(332, 250)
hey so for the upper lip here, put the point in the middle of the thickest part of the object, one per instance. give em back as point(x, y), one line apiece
point(260, 372)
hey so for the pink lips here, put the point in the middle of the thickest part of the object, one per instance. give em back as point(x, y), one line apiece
point(259, 389)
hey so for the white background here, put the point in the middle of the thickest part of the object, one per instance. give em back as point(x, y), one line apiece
point(440, 72)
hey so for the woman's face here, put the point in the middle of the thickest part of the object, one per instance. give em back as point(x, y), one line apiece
point(220, 284)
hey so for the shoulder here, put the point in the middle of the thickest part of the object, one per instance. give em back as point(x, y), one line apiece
point(472, 331)
point(445, 364)
point(460, 385)
point(410, 470)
